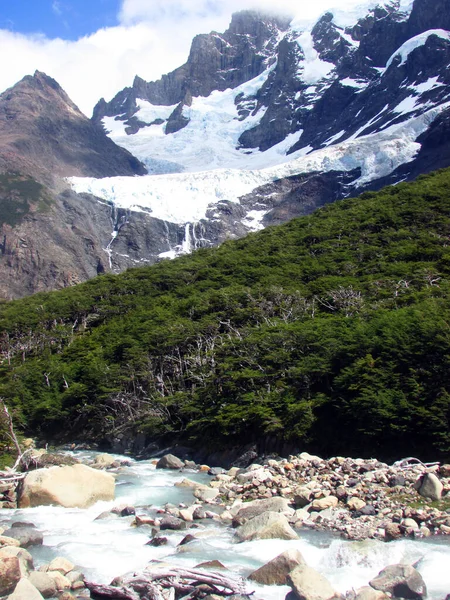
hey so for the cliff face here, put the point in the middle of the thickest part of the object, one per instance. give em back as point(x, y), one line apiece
point(49, 237)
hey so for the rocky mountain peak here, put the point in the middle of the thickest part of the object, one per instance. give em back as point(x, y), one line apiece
point(42, 127)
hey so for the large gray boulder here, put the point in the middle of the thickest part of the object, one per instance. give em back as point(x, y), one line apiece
point(259, 507)
point(26, 536)
point(169, 461)
point(276, 571)
point(401, 581)
point(308, 584)
point(430, 487)
point(268, 526)
point(69, 486)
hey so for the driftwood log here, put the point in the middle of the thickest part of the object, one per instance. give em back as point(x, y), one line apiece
point(167, 583)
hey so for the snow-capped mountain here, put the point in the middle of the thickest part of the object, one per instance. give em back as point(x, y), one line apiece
point(265, 122)
point(271, 100)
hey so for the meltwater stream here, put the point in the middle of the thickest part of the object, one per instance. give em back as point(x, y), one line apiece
point(105, 548)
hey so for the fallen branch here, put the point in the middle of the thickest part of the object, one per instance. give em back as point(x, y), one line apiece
point(155, 583)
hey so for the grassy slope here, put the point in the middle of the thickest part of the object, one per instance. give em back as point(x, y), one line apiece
point(330, 332)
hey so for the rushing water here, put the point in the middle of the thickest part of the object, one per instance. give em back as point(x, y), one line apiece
point(109, 547)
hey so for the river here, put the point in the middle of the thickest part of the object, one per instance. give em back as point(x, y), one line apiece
point(105, 548)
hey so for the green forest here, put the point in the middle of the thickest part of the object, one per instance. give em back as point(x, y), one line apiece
point(330, 333)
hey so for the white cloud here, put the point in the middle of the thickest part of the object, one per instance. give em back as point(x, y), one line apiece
point(153, 38)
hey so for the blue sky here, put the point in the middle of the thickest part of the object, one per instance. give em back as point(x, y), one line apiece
point(69, 19)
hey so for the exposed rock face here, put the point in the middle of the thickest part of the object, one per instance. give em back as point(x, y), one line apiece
point(76, 486)
point(43, 128)
point(216, 62)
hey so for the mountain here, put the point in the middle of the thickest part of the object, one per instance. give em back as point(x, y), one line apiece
point(49, 236)
point(329, 333)
point(276, 117)
point(269, 120)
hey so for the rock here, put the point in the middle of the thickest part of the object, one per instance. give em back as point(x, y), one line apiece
point(444, 470)
point(104, 461)
point(127, 511)
point(169, 461)
point(324, 503)
point(61, 582)
point(213, 471)
point(302, 496)
point(430, 487)
point(43, 583)
point(392, 531)
point(206, 494)
point(61, 564)
point(410, 524)
point(74, 576)
point(190, 484)
point(6, 540)
point(187, 538)
point(199, 513)
point(210, 564)
point(25, 558)
point(308, 584)
point(397, 480)
point(10, 574)
point(157, 541)
point(259, 507)
point(355, 503)
point(277, 570)
point(70, 486)
point(368, 593)
point(269, 525)
point(141, 520)
point(26, 536)
point(25, 590)
point(172, 523)
point(402, 581)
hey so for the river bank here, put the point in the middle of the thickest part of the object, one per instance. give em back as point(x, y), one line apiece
point(205, 504)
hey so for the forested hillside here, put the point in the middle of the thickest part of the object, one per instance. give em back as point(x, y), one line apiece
point(331, 332)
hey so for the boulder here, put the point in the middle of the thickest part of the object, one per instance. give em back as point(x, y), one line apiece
point(104, 461)
point(25, 558)
point(188, 483)
point(392, 531)
point(61, 582)
point(61, 564)
point(401, 581)
point(70, 486)
point(206, 494)
point(172, 523)
point(6, 540)
point(26, 536)
point(302, 496)
point(169, 461)
point(430, 487)
point(25, 590)
point(269, 525)
point(277, 570)
point(259, 507)
point(355, 503)
point(324, 503)
point(308, 584)
point(43, 583)
point(10, 574)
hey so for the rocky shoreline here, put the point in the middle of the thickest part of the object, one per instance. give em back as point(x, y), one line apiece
point(355, 498)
